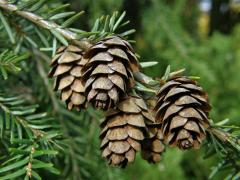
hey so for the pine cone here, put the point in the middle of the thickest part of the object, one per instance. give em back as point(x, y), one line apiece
point(66, 67)
point(123, 130)
point(108, 72)
point(152, 146)
point(182, 109)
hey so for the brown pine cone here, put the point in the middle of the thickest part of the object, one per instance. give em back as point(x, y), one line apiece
point(152, 146)
point(108, 71)
point(66, 67)
point(182, 109)
point(123, 130)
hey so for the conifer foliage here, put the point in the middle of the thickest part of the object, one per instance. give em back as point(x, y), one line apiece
point(97, 73)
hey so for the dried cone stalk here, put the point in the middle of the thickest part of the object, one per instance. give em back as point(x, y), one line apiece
point(108, 72)
point(182, 109)
point(123, 130)
point(67, 68)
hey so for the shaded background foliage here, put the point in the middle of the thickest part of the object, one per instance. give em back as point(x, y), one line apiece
point(170, 32)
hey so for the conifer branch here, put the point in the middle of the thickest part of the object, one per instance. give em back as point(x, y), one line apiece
point(40, 21)
point(37, 133)
point(43, 75)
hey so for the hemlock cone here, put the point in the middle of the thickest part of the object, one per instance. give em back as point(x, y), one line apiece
point(182, 109)
point(123, 130)
point(108, 73)
point(66, 67)
point(152, 146)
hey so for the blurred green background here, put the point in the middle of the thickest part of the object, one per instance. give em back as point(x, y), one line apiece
point(201, 36)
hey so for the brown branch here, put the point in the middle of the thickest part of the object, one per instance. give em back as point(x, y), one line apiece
point(143, 78)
